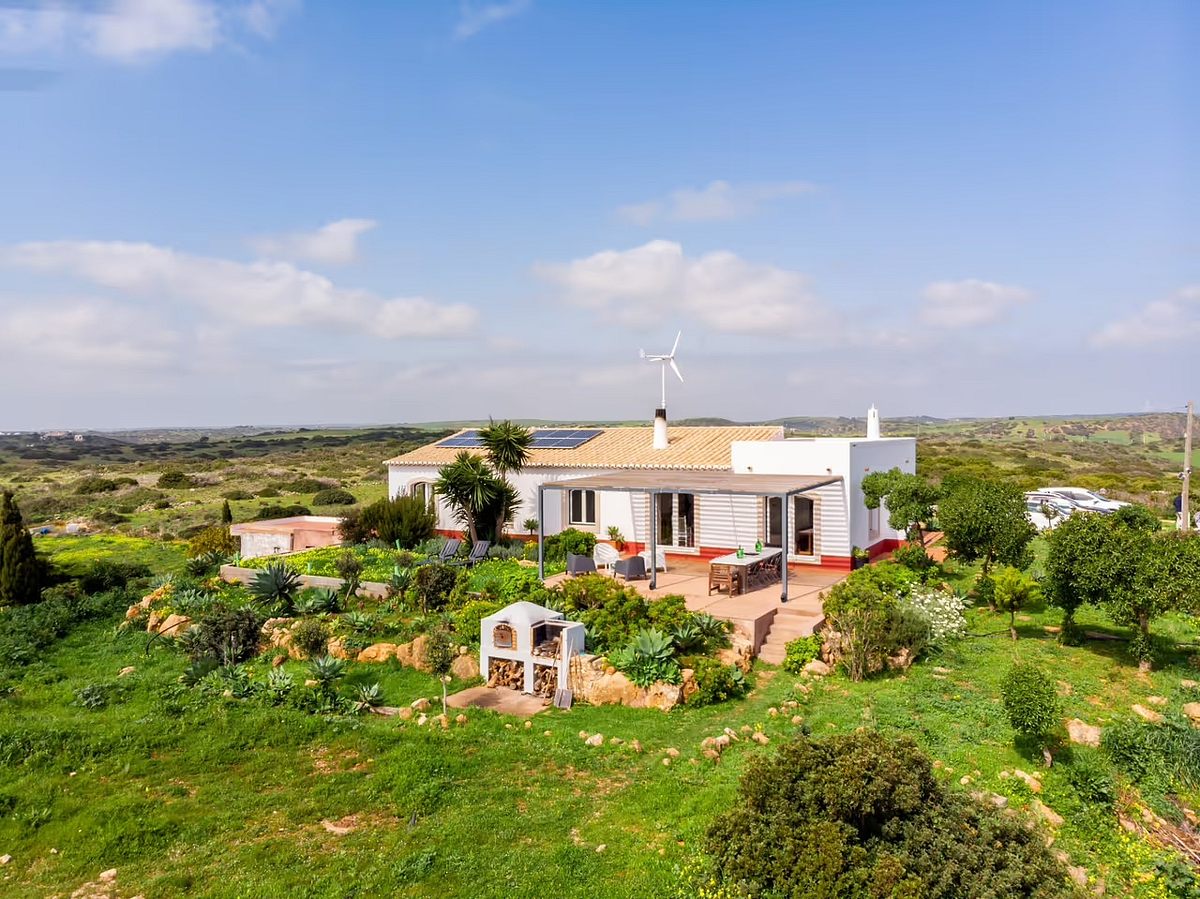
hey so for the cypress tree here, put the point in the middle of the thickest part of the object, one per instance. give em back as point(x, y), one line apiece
point(20, 573)
point(226, 513)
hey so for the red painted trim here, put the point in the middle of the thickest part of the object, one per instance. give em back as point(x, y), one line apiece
point(884, 547)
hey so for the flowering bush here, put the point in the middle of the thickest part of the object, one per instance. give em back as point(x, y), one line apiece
point(942, 610)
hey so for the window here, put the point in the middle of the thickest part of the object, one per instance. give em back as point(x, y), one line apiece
point(422, 490)
point(677, 520)
point(583, 507)
point(800, 529)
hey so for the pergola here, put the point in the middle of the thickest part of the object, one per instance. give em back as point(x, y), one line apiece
point(654, 482)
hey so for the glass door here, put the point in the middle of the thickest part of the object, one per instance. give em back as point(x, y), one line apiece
point(804, 542)
point(773, 523)
point(676, 519)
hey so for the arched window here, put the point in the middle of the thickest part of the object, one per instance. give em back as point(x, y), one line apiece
point(422, 490)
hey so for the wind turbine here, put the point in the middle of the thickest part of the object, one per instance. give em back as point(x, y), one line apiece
point(665, 359)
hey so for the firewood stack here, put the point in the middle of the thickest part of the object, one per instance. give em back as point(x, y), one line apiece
point(548, 648)
point(545, 680)
point(506, 673)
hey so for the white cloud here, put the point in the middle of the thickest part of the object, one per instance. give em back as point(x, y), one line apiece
point(716, 201)
point(87, 333)
point(135, 31)
point(723, 291)
point(334, 244)
point(968, 303)
point(1175, 319)
point(258, 294)
point(474, 18)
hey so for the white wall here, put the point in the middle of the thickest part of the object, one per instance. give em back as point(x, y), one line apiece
point(255, 545)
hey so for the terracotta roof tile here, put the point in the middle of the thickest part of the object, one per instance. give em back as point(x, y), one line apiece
point(697, 448)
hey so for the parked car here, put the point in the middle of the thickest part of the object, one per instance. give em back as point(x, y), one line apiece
point(1085, 499)
point(1037, 504)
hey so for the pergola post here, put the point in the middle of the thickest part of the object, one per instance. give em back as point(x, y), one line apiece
point(783, 503)
point(541, 534)
point(653, 540)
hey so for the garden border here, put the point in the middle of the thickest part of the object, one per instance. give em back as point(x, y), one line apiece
point(238, 575)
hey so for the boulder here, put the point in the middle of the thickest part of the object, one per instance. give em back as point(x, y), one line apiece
point(420, 653)
point(689, 684)
point(595, 740)
point(609, 689)
point(378, 652)
point(1148, 714)
point(661, 696)
point(175, 625)
point(817, 668)
point(339, 650)
point(1189, 684)
point(1047, 814)
point(1083, 733)
point(1157, 700)
point(420, 705)
point(126, 671)
point(739, 653)
point(1192, 710)
point(465, 667)
point(759, 737)
point(1029, 780)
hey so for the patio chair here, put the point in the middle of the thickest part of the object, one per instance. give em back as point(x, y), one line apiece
point(479, 552)
point(577, 565)
point(449, 550)
point(661, 560)
point(632, 569)
point(721, 577)
point(605, 557)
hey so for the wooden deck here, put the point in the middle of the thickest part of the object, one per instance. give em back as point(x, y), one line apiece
point(752, 612)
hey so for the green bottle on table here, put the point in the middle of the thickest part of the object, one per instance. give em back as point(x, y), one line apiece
point(758, 546)
point(741, 553)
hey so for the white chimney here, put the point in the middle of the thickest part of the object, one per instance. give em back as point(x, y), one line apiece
point(872, 423)
point(660, 429)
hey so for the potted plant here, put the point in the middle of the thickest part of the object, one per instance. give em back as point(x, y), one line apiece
point(859, 557)
point(617, 538)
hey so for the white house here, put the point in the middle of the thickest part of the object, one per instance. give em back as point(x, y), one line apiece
point(703, 490)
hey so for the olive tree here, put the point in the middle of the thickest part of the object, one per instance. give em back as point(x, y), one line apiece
point(910, 500)
point(985, 520)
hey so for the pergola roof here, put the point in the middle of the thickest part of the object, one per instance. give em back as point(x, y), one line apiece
point(724, 482)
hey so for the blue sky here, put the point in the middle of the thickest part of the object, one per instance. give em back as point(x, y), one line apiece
point(262, 211)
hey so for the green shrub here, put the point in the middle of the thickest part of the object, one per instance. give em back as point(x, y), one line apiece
point(265, 513)
point(95, 484)
point(714, 681)
point(1089, 774)
point(175, 480)
point(863, 815)
point(434, 583)
point(333, 496)
point(93, 696)
point(112, 574)
point(267, 493)
point(611, 613)
point(310, 636)
point(28, 630)
point(402, 521)
point(913, 557)
point(299, 485)
point(215, 539)
point(800, 652)
point(466, 619)
point(223, 634)
point(275, 587)
point(1166, 754)
point(864, 618)
point(1031, 701)
point(237, 494)
point(557, 546)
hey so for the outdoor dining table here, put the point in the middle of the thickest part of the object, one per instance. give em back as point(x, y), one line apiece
point(752, 569)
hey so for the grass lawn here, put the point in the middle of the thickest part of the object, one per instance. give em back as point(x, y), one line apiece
point(188, 796)
point(75, 554)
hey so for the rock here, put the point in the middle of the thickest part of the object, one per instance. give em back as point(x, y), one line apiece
point(760, 738)
point(529, 725)
point(583, 735)
point(443, 721)
point(690, 687)
point(666, 762)
point(817, 668)
point(797, 719)
point(339, 828)
point(1082, 733)
point(712, 755)
point(406, 714)
point(1051, 628)
point(1192, 710)
point(1078, 874)
point(1047, 814)
point(5, 859)
point(339, 650)
point(1157, 700)
point(964, 780)
point(1148, 714)
point(126, 671)
point(773, 712)
point(310, 682)
point(731, 733)
point(420, 705)
point(610, 689)
point(378, 652)
point(1029, 780)
point(635, 745)
point(1189, 684)
point(465, 667)
point(422, 721)
point(615, 741)
point(940, 670)
point(1065, 689)
point(279, 661)
point(420, 653)
point(601, 847)
point(595, 740)
point(673, 752)
point(460, 718)
point(108, 876)
point(739, 653)
point(661, 696)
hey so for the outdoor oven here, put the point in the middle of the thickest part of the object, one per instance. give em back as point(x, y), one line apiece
point(528, 644)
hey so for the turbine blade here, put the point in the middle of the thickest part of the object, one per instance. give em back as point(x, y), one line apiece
point(675, 368)
point(674, 348)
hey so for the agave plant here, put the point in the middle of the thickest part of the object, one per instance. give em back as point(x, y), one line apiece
point(652, 645)
point(359, 622)
point(688, 638)
point(280, 684)
point(369, 697)
point(326, 671)
point(206, 563)
point(197, 671)
point(275, 588)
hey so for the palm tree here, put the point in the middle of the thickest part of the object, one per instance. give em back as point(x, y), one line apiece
point(469, 488)
point(507, 447)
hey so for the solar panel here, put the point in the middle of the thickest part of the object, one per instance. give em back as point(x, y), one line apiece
point(548, 438)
